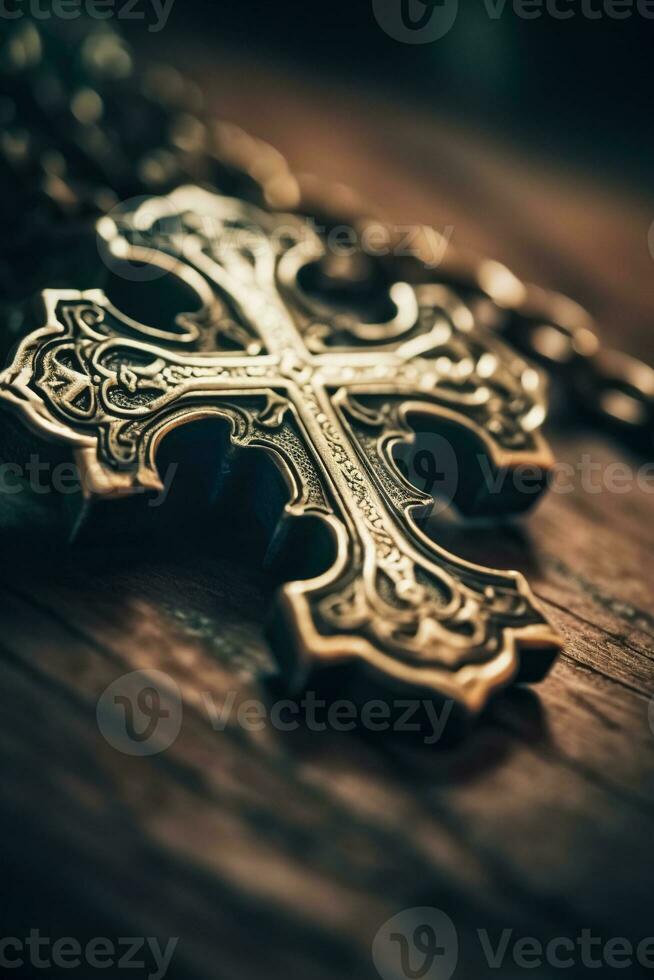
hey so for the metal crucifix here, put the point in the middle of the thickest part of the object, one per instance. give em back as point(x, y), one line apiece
point(329, 397)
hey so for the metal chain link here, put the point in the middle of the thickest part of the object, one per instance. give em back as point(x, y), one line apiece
point(561, 336)
point(83, 128)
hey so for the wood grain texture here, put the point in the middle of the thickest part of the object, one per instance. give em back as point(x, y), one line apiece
point(281, 854)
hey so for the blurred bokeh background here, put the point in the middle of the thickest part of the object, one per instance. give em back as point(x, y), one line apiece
point(571, 78)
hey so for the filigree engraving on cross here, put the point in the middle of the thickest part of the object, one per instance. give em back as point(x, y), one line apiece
point(328, 396)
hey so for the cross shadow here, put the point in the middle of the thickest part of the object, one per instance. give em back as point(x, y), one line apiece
point(503, 544)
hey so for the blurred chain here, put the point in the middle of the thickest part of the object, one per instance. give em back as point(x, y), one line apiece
point(606, 385)
point(82, 128)
point(560, 335)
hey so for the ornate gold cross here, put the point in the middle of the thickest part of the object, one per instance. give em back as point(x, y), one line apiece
point(329, 397)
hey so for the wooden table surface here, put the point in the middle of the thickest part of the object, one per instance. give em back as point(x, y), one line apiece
point(281, 855)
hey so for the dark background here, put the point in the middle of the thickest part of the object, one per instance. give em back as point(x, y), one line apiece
point(579, 87)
